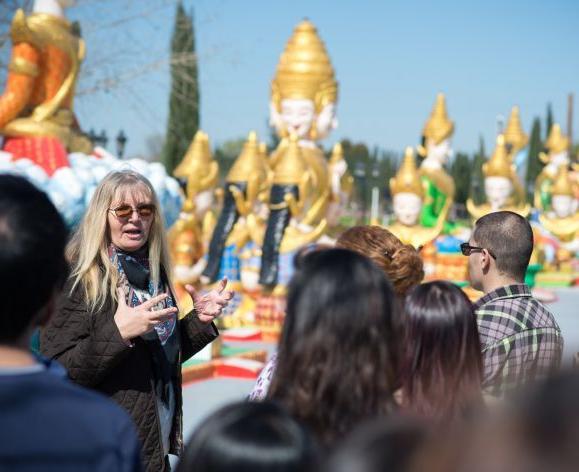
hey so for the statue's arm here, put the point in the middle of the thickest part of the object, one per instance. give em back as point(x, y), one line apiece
point(22, 72)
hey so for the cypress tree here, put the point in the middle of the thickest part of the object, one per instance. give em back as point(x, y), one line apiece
point(184, 100)
point(477, 177)
point(548, 121)
point(534, 165)
point(461, 172)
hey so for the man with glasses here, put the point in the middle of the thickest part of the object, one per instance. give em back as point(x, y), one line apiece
point(520, 339)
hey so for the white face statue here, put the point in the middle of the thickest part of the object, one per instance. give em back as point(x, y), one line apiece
point(298, 115)
point(561, 158)
point(407, 208)
point(439, 152)
point(564, 205)
point(52, 7)
point(498, 190)
point(203, 202)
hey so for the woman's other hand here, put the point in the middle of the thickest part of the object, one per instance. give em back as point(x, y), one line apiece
point(134, 322)
point(210, 305)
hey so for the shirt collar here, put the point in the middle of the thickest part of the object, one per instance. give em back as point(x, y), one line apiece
point(501, 293)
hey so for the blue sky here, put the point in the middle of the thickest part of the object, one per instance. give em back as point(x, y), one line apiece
point(391, 58)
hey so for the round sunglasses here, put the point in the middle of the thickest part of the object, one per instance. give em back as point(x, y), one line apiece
point(125, 211)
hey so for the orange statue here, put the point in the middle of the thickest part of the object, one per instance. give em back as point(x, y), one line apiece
point(36, 116)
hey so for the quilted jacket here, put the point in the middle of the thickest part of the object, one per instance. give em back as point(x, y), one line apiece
point(90, 347)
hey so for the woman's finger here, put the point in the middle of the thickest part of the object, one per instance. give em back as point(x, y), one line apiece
point(222, 285)
point(162, 315)
point(153, 301)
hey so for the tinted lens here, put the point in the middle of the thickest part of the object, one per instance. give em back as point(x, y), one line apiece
point(146, 210)
point(465, 249)
point(123, 211)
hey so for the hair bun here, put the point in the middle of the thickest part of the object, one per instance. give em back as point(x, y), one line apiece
point(406, 269)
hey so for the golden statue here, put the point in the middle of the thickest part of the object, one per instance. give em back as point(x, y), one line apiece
point(303, 101)
point(341, 184)
point(36, 108)
point(557, 154)
point(436, 148)
point(503, 189)
point(563, 218)
point(408, 196)
point(188, 237)
point(515, 137)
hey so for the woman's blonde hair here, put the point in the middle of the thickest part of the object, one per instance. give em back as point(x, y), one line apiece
point(88, 250)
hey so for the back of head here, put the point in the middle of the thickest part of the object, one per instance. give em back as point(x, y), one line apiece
point(381, 445)
point(249, 437)
point(440, 365)
point(400, 262)
point(509, 237)
point(336, 354)
point(32, 263)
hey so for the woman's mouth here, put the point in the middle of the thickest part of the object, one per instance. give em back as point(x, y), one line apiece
point(133, 233)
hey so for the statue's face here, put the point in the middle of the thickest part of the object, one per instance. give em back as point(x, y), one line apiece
point(326, 121)
point(203, 202)
point(563, 205)
point(297, 116)
point(439, 152)
point(407, 208)
point(66, 3)
point(560, 158)
point(498, 190)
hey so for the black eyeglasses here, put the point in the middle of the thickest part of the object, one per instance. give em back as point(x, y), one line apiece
point(124, 211)
point(467, 250)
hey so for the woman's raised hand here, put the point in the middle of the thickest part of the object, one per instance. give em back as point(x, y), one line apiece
point(134, 322)
point(210, 305)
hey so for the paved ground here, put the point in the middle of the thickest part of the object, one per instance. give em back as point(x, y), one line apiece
point(202, 398)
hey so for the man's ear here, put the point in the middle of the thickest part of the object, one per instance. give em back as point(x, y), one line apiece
point(485, 261)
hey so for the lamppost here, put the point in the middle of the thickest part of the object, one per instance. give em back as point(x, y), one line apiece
point(360, 175)
point(121, 143)
point(375, 202)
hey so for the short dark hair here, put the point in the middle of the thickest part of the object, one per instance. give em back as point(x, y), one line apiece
point(441, 363)
point(32, 262)
point(509, 237)
point(249, 437)
point(336, 357)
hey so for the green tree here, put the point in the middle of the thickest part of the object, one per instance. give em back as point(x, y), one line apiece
point(461, 170)
point(549, 121)
point(477, 177)
point(184, 100)
point(535, 165)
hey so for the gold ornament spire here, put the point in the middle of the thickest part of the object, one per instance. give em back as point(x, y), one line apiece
point(438, 127)
point(407, 178)
point(337, 153)
point(251, 161)
point(304, 70)
point(563, 184)
point(557, 141)
point(515, 137)
point(291, 166)
point(499, 165)
point(198, 166)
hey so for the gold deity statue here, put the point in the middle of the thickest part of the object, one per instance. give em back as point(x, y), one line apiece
point(557, 147)
point(436, 149)
point(563, 218)
point(503, 189)
point(189, 235)
point(515, 137)
point(36, 108)
point(408, 196)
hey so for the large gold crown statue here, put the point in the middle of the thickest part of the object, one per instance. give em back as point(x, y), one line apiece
point(291, 168)
point(563, 185)
point(407, 178)
point(557, 141)
point(515, 137)
point(304, 70)
point(198, 165)
point(438, 127)
point(499, 165)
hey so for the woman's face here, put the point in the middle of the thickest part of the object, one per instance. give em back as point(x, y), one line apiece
point(130, 233)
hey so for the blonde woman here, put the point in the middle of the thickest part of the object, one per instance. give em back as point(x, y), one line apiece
point(117, 329)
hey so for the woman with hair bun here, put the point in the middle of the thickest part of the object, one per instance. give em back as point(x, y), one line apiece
point(401, 264)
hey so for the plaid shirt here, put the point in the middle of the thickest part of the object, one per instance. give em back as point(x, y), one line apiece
point(520, 339)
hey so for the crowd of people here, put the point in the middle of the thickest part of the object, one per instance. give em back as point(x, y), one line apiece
point(375, 369)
